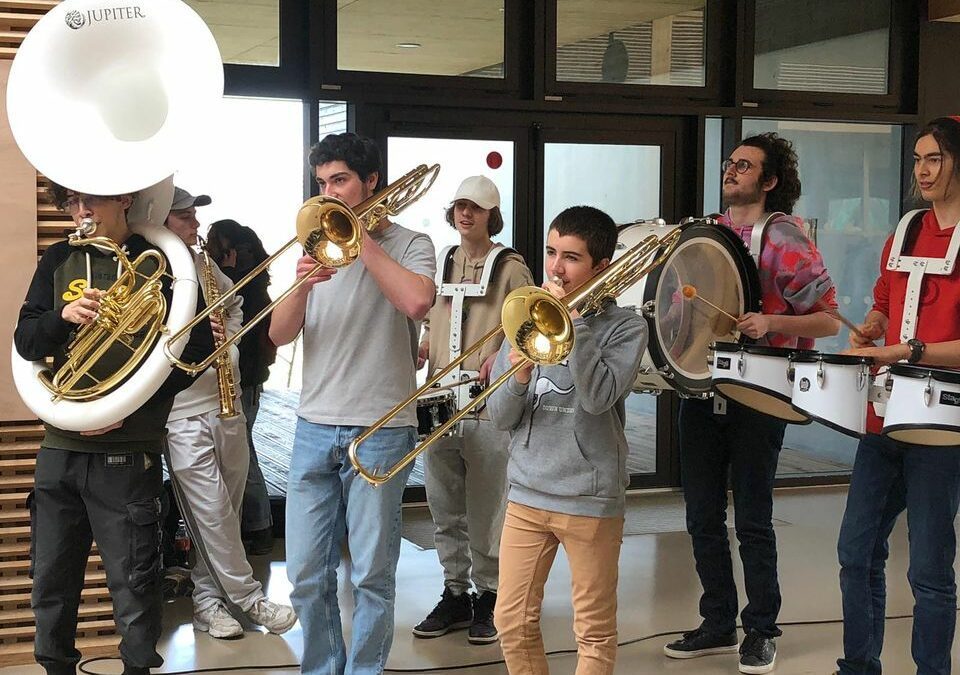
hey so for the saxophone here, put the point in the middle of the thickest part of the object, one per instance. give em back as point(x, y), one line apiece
point(226, 385)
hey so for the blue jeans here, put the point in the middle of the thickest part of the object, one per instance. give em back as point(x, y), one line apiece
point(742, 446)
point(887, 478)
point(325, 500)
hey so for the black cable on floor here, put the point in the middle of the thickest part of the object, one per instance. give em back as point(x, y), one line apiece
point(440, 669)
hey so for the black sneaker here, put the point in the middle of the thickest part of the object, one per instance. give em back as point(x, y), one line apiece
point(758, 654)
point(482, 630)
point(453, 612)
point(701, 643)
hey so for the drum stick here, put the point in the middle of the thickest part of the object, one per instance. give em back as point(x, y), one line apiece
point(835, 313)
point(690, 293)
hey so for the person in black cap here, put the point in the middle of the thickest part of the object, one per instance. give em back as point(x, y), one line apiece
point(208, 456)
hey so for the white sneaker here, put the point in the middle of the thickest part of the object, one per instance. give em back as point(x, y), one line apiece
point(274, 617)
point(218, 622)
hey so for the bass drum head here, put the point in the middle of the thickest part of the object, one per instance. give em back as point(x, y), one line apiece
point(712, 258)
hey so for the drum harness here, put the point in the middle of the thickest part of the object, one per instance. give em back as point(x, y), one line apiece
point(464, 383)
point(917, 267)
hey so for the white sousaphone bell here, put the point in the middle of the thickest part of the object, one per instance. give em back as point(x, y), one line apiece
point(105, 100)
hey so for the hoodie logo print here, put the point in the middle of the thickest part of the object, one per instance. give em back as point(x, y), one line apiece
point(546, 386)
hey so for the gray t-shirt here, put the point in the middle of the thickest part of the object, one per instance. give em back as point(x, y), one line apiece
point(359, 351)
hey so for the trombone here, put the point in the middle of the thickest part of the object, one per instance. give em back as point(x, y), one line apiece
point(537, 325)
point(330, 233)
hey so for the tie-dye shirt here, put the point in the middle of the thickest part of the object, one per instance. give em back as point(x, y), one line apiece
point(793, 279)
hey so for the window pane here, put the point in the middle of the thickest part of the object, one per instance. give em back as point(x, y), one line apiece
point(458, 159)
point(712, 151)
point(822, 45)
point(422, 37)
point(851, 203)
point(639, 167)
point(247, 31)
point(631, 42)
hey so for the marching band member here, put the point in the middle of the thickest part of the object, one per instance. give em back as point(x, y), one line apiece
point(720, 438)
point(360, 329)
point(567, 467)
point(104, 484)
point(466, 473)
point(207, 456)
point(890, 476)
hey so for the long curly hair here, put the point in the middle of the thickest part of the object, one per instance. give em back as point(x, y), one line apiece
point(779, 160)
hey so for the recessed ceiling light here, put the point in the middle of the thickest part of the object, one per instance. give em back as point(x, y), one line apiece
point(408, 45)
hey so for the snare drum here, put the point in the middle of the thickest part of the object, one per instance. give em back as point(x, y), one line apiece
point(710, 257)
point(433, 409)
point(756, 376)
point(832, 389)
point(924, 405)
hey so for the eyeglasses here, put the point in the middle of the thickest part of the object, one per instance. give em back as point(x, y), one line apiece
point(742, 165)
point(72, 203)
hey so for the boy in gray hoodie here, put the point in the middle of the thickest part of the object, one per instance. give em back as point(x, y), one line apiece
point(567, 468)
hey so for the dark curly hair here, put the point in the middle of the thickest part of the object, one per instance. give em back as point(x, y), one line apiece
point(359, 153)
point(946, 132)
point(595, 227)
point(227, 234)
point(780, 161)
point(494, 224)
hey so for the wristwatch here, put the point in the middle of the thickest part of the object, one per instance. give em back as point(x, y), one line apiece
point(916, 350)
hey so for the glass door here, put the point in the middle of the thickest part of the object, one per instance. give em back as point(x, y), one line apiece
point(624, 174)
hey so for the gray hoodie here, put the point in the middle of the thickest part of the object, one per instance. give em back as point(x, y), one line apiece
point(568, 451)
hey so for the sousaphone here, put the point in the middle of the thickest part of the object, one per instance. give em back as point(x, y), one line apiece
point(105, 100)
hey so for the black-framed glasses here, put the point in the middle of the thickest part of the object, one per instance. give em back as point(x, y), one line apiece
point(742, 165)
point(72, 203)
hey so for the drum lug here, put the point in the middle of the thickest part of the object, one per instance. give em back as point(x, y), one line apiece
point(928, 392)
point(648, 309)
point(741, 364)
point(820, 376)
point(863, 377)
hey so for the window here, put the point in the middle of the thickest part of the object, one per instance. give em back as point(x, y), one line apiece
point(631, 42)
point(821, 45)
point(458, 159)
point(247, 31)
point(422, 37)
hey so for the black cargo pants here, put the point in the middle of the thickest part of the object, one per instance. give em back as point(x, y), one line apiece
point(114, 499)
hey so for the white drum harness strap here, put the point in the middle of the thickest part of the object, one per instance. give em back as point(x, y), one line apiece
point(458, 292)
point(917, 267)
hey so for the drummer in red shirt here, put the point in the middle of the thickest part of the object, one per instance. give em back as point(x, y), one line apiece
point(889, 476)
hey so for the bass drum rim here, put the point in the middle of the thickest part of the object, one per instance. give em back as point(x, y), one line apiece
point(749, 277)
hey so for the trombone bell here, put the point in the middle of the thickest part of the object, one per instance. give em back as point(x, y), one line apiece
point(537, 325)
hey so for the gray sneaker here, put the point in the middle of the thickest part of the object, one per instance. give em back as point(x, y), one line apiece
point(275, 617)
point(218, 622)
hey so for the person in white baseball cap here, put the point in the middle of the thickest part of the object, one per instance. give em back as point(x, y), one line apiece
point(466, 474)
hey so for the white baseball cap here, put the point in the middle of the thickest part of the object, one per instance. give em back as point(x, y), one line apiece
point(480, 190)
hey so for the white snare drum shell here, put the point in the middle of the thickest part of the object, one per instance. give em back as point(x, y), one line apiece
point(924, 406)
point(753, 376)
point(834, 394)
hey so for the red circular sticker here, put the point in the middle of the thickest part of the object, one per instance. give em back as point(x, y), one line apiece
point(494, 160)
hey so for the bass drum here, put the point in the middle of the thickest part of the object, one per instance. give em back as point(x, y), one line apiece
point(711, 258)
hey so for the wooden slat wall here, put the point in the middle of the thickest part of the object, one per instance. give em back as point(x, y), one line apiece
point(19, 443)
